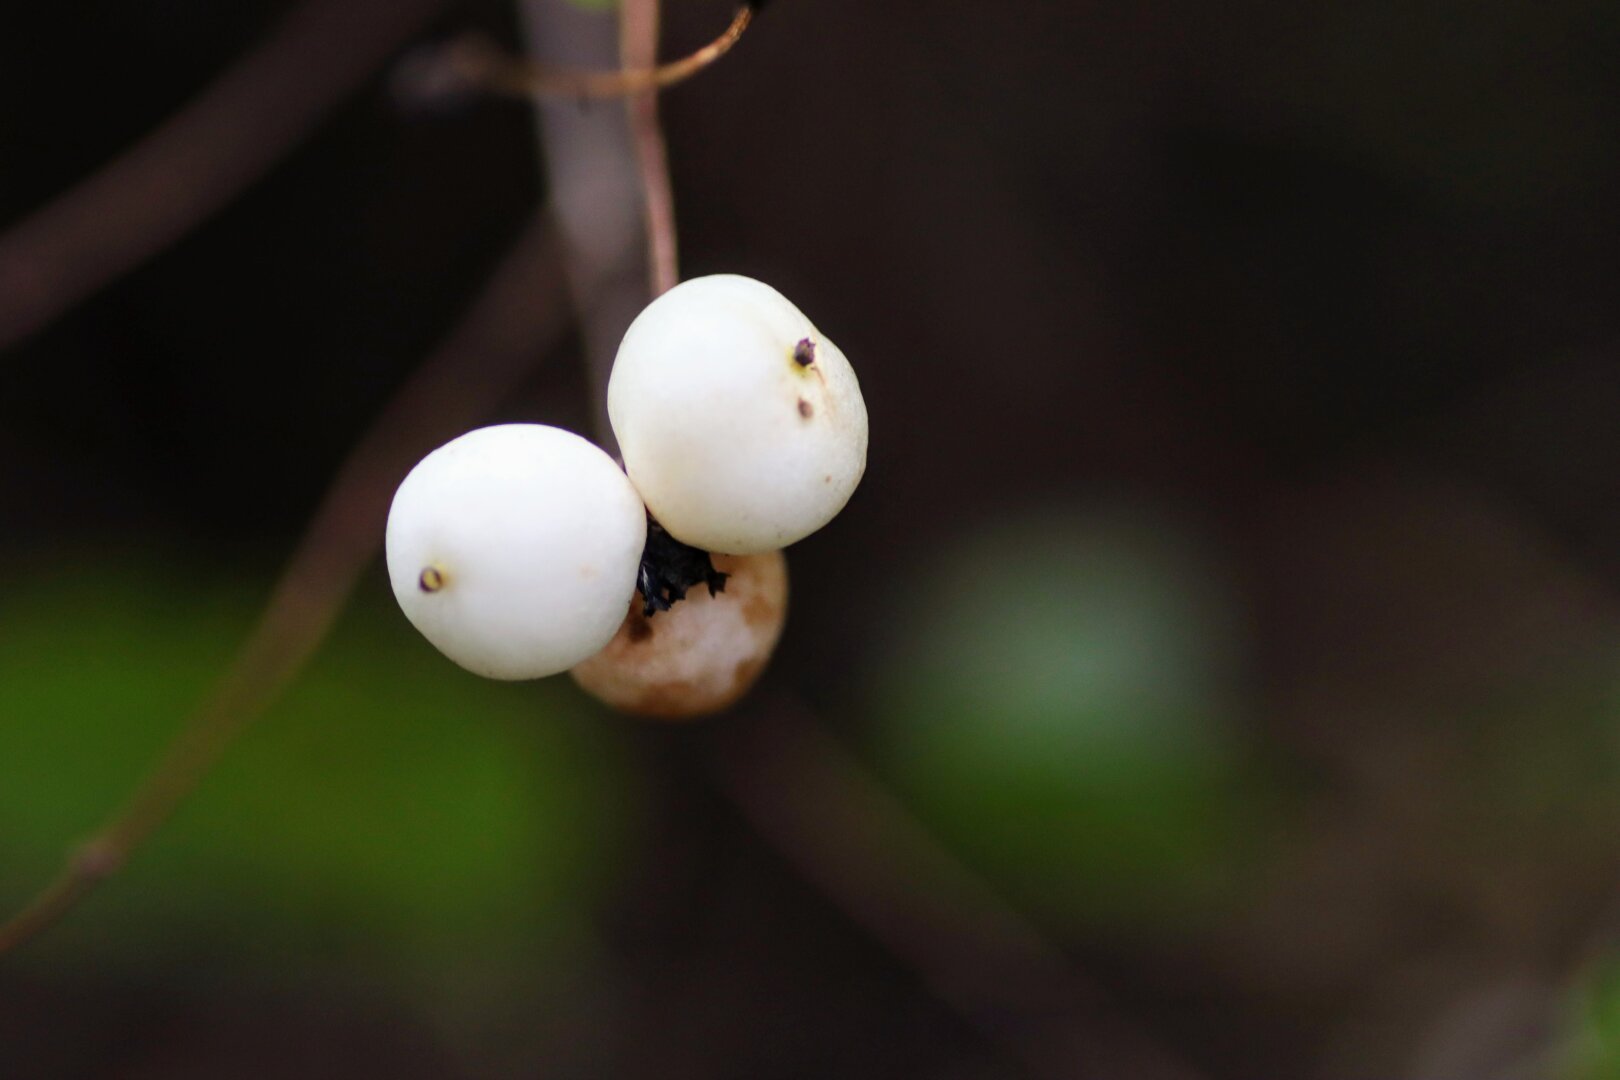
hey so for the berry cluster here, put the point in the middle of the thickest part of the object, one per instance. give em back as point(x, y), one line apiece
point(517, 550)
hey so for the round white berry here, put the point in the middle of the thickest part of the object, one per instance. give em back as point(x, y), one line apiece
point(514, 549)
point(741, 425)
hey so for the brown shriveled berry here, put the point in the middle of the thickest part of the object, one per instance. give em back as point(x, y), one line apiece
point(702, 654)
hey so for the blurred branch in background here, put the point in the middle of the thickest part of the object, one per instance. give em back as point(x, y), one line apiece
point(169, 182)
point(198, 160)
point(518, 316)
point(839, 827)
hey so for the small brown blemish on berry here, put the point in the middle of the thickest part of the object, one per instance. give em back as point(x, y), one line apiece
point(805, 409)
point(431, 580)
point(637, 628)
point(804, 353)
point(759, 612)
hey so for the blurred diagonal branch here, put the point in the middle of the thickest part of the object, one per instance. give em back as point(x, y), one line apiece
point(517, 317)
point(843, 831)
point(198, 160)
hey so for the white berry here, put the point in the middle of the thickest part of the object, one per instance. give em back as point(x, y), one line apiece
point(514, 549)
point(741, 425)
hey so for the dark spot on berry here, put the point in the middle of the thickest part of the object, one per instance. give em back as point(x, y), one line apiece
point(805, 410)
point(431, 580)
point(759, 612)
point(669, 568)
point(804, 353)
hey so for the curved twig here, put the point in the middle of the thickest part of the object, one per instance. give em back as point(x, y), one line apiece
point(482, 64)
point(198, 160)
point(516, 317)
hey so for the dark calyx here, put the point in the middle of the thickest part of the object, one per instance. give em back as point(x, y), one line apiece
point(669, 568)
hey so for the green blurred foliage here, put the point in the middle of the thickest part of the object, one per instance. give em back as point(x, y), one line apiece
point(1592, 1047)
point(1542, 767)
point(391, 815)
point(1064, 707)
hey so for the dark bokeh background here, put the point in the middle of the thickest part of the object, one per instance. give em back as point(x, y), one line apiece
point(1233, 582)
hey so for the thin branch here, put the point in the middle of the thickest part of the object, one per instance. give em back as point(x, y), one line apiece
point(843, 831)
point(482, 64)
point(638, 47)
point(198, 160)
point(516, 318)
point(590, 163)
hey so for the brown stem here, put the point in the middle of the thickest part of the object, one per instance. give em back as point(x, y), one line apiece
point(517, 317)
point(638, 44)
point(485, 66)
point(198, 160)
